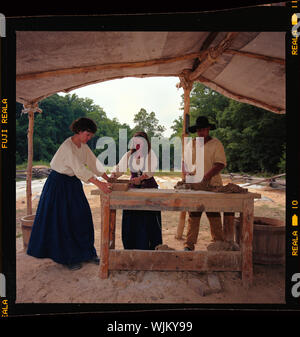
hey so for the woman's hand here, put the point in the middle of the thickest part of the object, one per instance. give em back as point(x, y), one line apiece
point(105, 176)
point(105, 187)
point(136, 180)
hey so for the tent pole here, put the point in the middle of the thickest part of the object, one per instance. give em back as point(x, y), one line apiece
point(30, 109)
point(29, 160)
point(187, 87)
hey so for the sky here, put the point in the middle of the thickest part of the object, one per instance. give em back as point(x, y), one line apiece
point(123, 98)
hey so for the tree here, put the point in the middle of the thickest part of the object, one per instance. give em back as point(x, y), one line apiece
point(51, 127)
point(177, 127)
point(206, 102)
point(253, 138)
point(203, 101)
point(148, 123)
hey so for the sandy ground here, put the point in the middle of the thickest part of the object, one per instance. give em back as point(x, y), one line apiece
point(44, 281)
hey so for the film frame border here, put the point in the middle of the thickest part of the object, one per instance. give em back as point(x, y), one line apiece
point(7, 86)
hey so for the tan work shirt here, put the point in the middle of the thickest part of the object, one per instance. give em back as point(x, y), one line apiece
point(81, 162)
point(213, 153)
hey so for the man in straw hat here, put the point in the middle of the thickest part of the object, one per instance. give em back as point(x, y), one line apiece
point(214, 161)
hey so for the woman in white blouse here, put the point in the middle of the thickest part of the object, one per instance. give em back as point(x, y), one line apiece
point(63, 227)
point(140, 229)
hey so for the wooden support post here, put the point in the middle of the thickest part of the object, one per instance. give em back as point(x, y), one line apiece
point(238, 228)
point(212, 55)
point(228, 226)
point(187, 87)
point(29, 160)
point(246, 231)
point(103, 67)
point(105, 224)
point(256, 56)
point(112, 229)
point(30, 109)
point(238, 97)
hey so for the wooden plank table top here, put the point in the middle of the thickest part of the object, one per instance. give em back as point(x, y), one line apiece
point(185, 193)
point(177, 200)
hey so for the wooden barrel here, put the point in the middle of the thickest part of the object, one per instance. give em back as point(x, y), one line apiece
point(268, 240)
point(26, 224)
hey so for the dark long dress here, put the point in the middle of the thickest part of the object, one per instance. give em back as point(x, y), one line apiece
point(63, 227)
point(141, 229)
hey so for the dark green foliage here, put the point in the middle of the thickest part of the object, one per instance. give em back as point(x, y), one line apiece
point(148, 123)
point(51, 127)
point(254, 139)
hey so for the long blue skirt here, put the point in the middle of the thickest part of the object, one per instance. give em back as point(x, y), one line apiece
point(141, 229)
point(63, 227)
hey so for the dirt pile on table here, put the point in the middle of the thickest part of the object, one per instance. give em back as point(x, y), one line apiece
point(229, 188)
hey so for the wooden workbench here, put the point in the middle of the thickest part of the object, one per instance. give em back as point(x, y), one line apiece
point(178, 200)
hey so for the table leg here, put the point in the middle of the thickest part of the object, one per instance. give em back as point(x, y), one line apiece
point(228, 226)
point(112, 229)
point(105, 216)
point(238, 229)
point(246, 242)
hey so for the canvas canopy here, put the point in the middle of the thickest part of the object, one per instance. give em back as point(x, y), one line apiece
point(245, 66)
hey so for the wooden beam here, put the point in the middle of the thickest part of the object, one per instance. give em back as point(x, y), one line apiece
point(108, 66)
point(30, 109)
point(175, 201)
point(204, 47)
point(25, 102)
point(228, 226)
point(105, 236)
point(172, 198)
point(29, 160)
point(118, 77)
point(246, 243)
point(239, 97)
point(256, 56)
point(174, 260)
point(187, 86)
point(112, 229)
point(211, 55)
point(208, 40)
